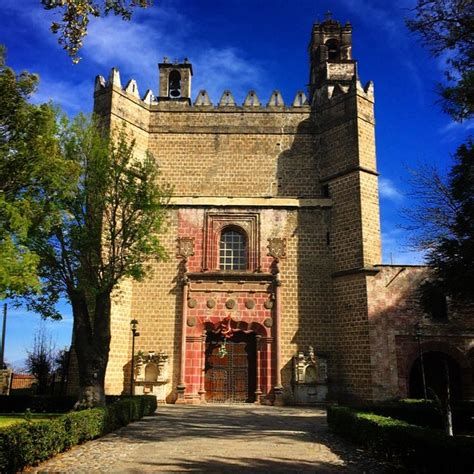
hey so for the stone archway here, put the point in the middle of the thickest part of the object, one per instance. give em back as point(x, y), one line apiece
point(434, 365)
point(457, 360)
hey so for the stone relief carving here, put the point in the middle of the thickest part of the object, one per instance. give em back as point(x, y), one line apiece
point(151, 374)
point(310, 377)
point(277, 247)
point(185, 247)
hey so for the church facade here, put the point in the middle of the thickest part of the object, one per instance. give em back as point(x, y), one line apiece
point(273, 291)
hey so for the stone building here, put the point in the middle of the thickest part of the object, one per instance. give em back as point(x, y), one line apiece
point(274, 290)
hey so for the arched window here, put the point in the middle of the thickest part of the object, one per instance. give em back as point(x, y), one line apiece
point(232, 250)
point(333, 49)
point(175, 85)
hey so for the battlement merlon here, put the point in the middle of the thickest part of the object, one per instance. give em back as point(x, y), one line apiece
point(322, 96)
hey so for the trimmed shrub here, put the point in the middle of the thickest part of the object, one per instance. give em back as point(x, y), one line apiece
point(26, 444)
point(36, 403)
point(424, 413)
point(418, 448)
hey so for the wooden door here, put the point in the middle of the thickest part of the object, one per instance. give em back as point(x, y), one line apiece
point(227, 378)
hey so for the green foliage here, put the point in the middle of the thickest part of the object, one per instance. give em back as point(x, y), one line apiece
point(453, 254)
point(25, 444)
point(31, 170)
point(447, 29)
point(76, 14)
point(36, 403)
point(40, 359)
point(419, 449)
point(442, 221)
point(108, 226)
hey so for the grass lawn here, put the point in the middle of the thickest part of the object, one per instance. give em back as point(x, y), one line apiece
point(11, 418)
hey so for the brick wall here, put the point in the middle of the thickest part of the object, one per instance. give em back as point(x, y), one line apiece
point(394, 309)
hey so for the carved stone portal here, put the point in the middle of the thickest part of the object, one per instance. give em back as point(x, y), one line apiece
point(151, 374)
point(310, 377)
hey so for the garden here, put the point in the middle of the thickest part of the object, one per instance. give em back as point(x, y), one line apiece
point(35, 428)
point(409, 434)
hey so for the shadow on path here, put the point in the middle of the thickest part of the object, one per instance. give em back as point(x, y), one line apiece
point(220, 439)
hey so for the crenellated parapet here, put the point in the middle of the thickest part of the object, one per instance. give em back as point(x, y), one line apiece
point(252, 102)
point(327, 92)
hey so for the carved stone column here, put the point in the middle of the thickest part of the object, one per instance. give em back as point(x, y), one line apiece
point(202, 389)
point(258, 390)
point(267, 386)
point(185, 249)
point(278, 388)
point(182, 367)
point(277, 250)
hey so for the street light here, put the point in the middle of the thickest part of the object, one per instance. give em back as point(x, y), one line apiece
point(135, 333)
point(418, 336)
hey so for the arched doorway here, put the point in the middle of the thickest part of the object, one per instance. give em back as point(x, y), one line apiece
point(434, 364)
point(231, 368)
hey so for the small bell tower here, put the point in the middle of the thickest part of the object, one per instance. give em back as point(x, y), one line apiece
point(175, 80)
point(330, 55)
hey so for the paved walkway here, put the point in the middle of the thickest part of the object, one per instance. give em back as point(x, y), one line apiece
point(219, 439)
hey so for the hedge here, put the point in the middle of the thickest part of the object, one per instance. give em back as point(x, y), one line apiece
point(424, 413)
point(43, 403)
point(26, 444)
point(36, 403)
point(419, 449)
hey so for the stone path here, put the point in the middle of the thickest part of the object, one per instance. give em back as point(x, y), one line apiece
point(219, 439)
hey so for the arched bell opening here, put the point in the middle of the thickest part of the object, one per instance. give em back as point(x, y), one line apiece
point(174, 84)
point(334, 50)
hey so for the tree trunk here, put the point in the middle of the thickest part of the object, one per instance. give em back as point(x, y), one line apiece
point(92, 344)
point(448, 417)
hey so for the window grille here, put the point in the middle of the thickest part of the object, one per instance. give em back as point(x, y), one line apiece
point(233, 250)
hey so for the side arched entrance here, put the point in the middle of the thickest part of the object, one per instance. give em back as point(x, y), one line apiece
point(438, 368)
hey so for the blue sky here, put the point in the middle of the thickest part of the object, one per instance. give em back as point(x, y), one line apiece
point(242, 45)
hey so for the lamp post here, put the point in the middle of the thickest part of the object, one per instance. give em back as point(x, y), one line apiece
point(418, 336)
point(135, 333)
point(4, 330)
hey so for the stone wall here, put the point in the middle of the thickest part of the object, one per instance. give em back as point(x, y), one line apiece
point(394, 309)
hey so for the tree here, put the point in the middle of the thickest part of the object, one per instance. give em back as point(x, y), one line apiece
point(75, 17)
point(443, 223)
point(40, 359)
point(447, 29)
point(107, 230)
point(31, 170)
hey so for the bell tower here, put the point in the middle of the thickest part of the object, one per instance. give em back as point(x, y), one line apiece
point(175, 80)
point(330, 55)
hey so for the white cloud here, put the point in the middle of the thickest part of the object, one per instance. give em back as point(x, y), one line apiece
point(454, 127)
point(72, 98)
point(391, 18)
point(136, 48)
point(388, 190)
point(396, 250)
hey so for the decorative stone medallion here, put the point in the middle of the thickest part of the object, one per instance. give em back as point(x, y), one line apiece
point(268, 323)
point(211, 303)
point(268, 304)
point(250, 303)
point(277, 247)
point(230, 304)
point(185, 247)
point(192, 303)
point(191, 321)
